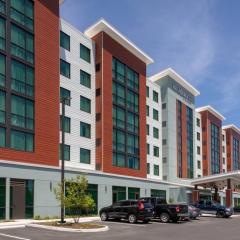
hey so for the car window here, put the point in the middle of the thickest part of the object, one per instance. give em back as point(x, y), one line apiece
point(161, 201)
point(125, 203)
point(133, 203)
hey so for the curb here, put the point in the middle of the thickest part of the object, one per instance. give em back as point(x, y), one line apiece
point(62, 229)
point(13, 226)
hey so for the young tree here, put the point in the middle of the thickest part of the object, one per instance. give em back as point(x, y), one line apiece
point(76, 199)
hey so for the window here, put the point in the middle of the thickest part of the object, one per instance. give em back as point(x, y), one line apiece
point(147, 91)
point(198, 122)
point(148, 148)
point(22, 11)
point(156, 170)
point(224, 161)
point(119, 118)
point(22, 78)
point(198, 150)
point(2, 137)
point(66, 152)
point(2, 32)
point(164, 142)
point(118, 94)
point(132, 79)
point(164, 106)
point(215, 148)
point(189, 118)
point(98, 117)
point(85, 79)
point(148, 168)
point(147, 110)
point(64, 40)
point(22, 44)
point(132, 101)
point(85, 156)
point(224, 170)
point(85, 53)
point(147, 127)
point(22, 112)
point(2, 70)
point(125, 117)
point(164, 123)
point(155, 96)
point(67, 124)
point(98, 92)
point(156, 151)
point(223, 138)
point(85, 130)
point(155, 132)
point(22, 141)
point(198, 136)
point(199, 164)
point(2, 107)
point(65, 93)
point(164, 160)
point(85, 104)
point(2, 6)
point(98, 67)
point(65, 68)
point(155, 114)
point(223, 149)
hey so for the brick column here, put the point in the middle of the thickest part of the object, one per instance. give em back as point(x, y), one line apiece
point(195, 195)
point(229, 194)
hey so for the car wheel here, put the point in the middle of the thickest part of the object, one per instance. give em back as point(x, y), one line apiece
point(220, 214)
point(132, 218)
point(104, 216)
point(164, 217)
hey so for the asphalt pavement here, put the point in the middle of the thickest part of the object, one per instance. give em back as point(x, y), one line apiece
point(206, 228)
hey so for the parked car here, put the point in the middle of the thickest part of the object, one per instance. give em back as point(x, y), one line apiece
point(214, 208)
point(237, 209)
point(132, 210)
point(194, 212)
point(167, 212)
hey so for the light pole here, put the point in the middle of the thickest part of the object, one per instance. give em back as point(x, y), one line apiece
point(64, 99)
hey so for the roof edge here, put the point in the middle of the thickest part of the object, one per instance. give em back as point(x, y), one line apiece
point(103, 25)
point(170, 72)
point(212, 110)
point(232, 126)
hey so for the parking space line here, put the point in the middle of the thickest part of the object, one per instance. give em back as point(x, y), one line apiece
point(15, 237)
point(127, 224)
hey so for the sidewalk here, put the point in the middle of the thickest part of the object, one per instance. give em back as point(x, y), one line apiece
point(21, 223)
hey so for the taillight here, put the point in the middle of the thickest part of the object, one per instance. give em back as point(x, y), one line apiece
point(177, 209)
point(140, 206)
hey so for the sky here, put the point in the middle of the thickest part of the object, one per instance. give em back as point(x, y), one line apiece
point(199, 39)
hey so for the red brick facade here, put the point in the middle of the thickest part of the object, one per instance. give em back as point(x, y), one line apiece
point(207, 118)
point(230, 134)
point(46, 88)
point(184, 140)
point(106, 48)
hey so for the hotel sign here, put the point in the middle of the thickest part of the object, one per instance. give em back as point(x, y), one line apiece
point(182, 92)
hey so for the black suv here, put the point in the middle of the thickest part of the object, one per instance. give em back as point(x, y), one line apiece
point(132, 210)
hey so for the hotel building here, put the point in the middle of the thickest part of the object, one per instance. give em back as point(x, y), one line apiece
point(130, 135)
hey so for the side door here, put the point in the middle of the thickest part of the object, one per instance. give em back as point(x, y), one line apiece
point(115, 210)
point(125, 208)
point(210, 208)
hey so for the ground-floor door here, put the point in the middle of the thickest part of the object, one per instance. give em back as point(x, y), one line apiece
point(21, 198)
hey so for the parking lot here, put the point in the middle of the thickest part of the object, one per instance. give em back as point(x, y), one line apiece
point(204, 228)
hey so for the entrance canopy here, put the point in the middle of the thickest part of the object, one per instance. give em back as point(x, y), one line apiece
point(221, 181)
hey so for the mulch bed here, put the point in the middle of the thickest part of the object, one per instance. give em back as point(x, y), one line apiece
point(73, 225)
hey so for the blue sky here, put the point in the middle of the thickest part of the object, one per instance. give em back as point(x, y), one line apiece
point(200, 39)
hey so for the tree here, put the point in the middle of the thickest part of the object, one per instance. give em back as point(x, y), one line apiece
point(76, 198)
